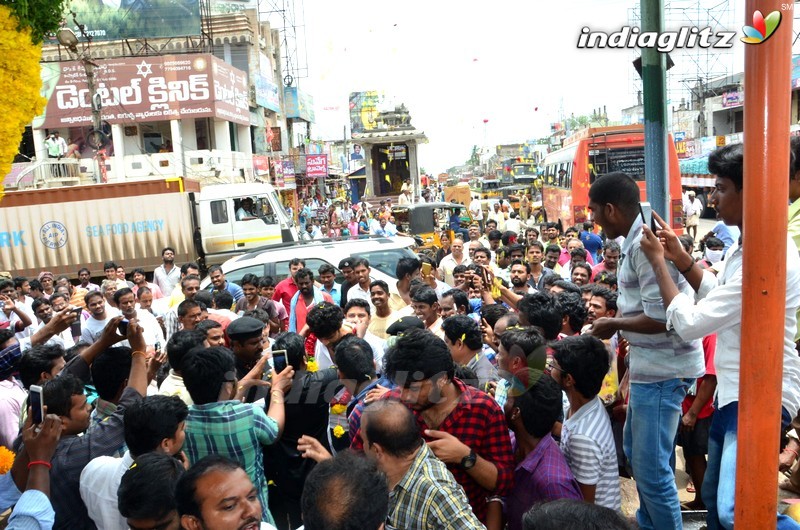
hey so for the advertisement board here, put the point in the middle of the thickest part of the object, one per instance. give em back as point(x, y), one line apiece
point(364, 110)
point(267, 94)
point(317, 166)
point(139, 89)
point(298, 104)
point(223, 7)
point(136, 19)
point(261, 165)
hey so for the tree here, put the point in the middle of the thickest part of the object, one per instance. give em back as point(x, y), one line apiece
point(475, 157)
point(578, 122)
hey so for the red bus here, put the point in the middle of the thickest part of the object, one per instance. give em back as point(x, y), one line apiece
point(593, 152)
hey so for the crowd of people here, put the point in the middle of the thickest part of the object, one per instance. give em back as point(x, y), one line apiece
point(508, 381)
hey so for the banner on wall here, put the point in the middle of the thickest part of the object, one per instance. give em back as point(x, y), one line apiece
point(140, 89)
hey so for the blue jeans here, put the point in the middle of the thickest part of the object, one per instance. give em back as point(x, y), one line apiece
point(649, 443)
point(719, 484)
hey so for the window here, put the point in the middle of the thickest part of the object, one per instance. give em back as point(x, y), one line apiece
point(237, 275)
point(258, 207)
point(219, 212)
point(282, 269)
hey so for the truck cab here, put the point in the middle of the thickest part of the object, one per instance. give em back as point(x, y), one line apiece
point(241, 217)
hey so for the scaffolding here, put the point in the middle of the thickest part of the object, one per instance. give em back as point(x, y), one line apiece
point(288, 17)
point(694, 67)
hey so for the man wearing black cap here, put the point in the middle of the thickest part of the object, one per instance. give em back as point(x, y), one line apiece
point(246, 334)
point(404, 324)
point(346, 266)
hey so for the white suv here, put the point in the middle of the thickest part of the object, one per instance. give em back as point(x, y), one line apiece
point(383, 253)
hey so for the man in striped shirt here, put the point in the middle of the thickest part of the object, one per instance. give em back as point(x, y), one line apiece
point(579, 366)
point(423, 493)
point(662, 364)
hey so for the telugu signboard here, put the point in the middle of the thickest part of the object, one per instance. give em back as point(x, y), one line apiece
point(317, 166)
point(139, 89)
point(136, 19)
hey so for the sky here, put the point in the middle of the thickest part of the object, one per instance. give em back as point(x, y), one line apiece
point(511, 64)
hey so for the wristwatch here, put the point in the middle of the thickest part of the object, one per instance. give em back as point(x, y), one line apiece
point(468, 462)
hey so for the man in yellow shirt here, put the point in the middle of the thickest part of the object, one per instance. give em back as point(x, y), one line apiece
point(177, 295)
point(384, 315)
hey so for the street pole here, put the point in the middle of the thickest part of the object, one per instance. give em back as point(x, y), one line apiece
point(654, 73)
point(767, 111)
point(94, 101)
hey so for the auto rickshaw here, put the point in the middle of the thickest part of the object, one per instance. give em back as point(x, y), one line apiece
point(426, 221)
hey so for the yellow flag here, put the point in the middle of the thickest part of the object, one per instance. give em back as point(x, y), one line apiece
point(387, 178)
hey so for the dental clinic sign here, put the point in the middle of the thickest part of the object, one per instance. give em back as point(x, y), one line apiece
point(137, 89)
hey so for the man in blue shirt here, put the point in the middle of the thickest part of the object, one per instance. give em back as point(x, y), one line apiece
point(219, 283)
point(327, 276)
point(727, 234)
point(591, 241)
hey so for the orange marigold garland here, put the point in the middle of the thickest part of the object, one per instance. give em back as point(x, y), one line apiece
point(6, 459)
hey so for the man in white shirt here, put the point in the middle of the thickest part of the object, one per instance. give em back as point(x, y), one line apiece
point(245, 211)
point(126, 302)
point(497, 215)
point(94, 325)
point(449, 262)
point(692, 208)
point(167, 275)
point(153, 425)
point(43, 309)
point(404, 198)
point(357, 313)
point(476, 210)
point(361, 269)
point(718, 309)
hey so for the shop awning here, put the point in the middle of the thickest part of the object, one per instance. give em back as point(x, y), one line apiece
point(694, 166)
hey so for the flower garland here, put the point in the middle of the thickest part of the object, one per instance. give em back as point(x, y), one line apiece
point(20, 81)
point(6, 460)
point(310, 346)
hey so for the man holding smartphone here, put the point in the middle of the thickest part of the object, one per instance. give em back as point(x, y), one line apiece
point(662, 366)
point(247, 342)
point(64, 396)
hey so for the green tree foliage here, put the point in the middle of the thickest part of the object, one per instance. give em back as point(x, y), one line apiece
point(42, 16)
point(475, 157)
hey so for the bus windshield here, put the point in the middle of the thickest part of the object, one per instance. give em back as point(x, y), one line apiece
point(628, 160)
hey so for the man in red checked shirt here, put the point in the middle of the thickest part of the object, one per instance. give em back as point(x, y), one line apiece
point(464, 427)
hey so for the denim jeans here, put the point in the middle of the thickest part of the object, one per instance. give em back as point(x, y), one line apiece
point(719, 484)
point(649, 443)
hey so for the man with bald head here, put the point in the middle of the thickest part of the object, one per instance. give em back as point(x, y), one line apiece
point(425, 493)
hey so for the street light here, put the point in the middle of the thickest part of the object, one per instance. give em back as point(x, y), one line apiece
point(96, 137)
point(67, 38)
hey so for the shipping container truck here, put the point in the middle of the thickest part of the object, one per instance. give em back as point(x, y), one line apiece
point(64, 229)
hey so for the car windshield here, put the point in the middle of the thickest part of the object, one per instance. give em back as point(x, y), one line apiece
point(385, 260)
